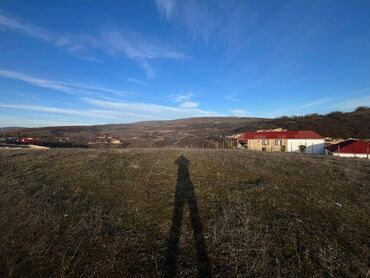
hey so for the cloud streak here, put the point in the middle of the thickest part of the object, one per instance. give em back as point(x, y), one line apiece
point(136, 48)
point(152, 111)
point(206, 19)
point(74, 48)
point(65, 87)
point(182, 97)
point(240, 113)
point(230, 98)
point(189, 104)
point(109, 111)
point(88, 47)
point(353, 103)
point(136, 81)
point(93, 114)
point(34, 122)
point(55, 110)
point(167, 7)
point(29, 29)
point(184, 100)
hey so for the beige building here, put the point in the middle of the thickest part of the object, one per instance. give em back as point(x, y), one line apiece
point(271, 145)
point(115, 141)
point(306, 141)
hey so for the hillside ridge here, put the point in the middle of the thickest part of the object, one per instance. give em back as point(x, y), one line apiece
point(206, 131)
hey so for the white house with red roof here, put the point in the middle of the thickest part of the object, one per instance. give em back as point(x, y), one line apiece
point(350, 148)
point(307, 141)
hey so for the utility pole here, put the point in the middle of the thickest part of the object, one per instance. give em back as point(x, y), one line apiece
point(338, 150)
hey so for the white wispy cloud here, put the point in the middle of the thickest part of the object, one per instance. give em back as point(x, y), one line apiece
point(198, 19)
point(136, 48)
point(167, 7)
point(294, 108)
point(182, 97)
point(62, 41)
point(53, 110)
point(65, 87)
point(314, 103)
point(136, 81)
point(87, 47)
point(239, 112)
point(29, 29)
point(150, 110)
point(103, 111)
point(6, 121)
point(92, 114)
point(207, 18)
point(231, 98)
point(352, 103)
point(189, 104)
point(346, 102)
point(184, 100)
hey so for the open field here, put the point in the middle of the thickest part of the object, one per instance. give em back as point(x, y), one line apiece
point(153, 212)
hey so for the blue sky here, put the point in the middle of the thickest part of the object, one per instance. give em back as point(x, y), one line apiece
point(95, 62)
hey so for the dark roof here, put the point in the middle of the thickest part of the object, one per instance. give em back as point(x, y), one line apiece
point(350, 146)
point(290, 134)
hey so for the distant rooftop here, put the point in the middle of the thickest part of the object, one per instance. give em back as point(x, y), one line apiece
point(287, 134)
point(351, 146)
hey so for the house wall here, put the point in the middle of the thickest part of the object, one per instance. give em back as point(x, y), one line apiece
point(312, 145)
point(256, 144)
point(356, 155)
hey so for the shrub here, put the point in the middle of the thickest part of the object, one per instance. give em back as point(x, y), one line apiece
point(302, 148)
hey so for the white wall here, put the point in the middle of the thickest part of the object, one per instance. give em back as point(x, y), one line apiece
point(312, 145)
point(357, 155)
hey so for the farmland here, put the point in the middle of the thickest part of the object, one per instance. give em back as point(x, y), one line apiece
point(156, 212)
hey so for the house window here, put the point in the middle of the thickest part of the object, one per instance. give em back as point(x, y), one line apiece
point(265, 142)
point(278, 142)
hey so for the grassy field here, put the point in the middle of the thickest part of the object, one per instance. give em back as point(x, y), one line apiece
point(156, 212)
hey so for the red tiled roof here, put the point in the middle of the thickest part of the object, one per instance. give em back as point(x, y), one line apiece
point(242, 138)
point(290, 134)
point(350, 146)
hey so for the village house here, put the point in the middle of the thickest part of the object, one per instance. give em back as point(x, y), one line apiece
point(27, 140)
point(306, 141)
point(115, 141)
point(350, 148)
point(232, 140)
point(104, 139)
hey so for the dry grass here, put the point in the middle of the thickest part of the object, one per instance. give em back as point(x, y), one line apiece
point(108, 213)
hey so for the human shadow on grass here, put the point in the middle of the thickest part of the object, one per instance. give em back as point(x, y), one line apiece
point(185, 194)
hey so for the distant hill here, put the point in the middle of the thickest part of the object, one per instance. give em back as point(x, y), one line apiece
point(354, 124)
point(206, 131)
point(9, 129)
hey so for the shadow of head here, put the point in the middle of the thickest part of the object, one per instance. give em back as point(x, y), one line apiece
point(182, 160)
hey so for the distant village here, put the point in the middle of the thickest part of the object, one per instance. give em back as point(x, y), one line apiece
point(272, 140)
point(65, 142)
